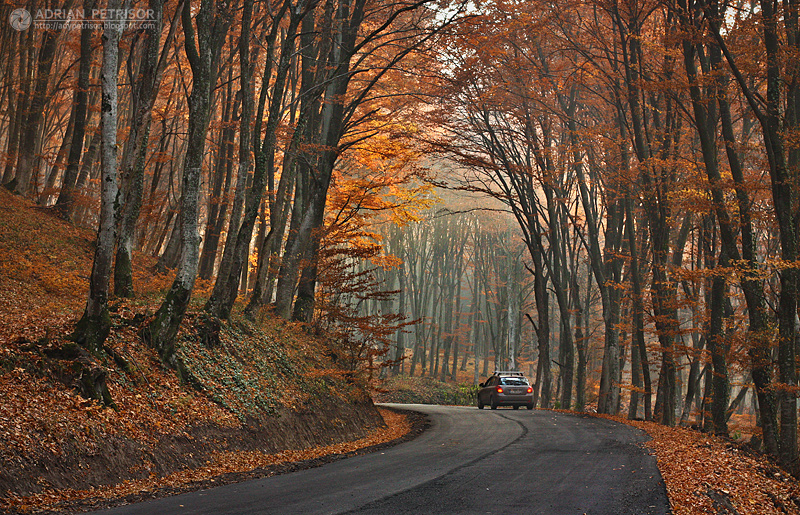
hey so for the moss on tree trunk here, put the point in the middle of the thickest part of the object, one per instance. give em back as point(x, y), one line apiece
point(123, 274)
point(160, 333)
point(91, 331)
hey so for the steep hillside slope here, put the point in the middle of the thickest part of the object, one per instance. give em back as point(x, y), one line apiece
point(266, 388)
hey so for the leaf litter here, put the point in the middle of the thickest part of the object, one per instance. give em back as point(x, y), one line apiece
point(43, 286)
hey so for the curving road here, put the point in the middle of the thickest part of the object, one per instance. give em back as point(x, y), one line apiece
point(469, 461)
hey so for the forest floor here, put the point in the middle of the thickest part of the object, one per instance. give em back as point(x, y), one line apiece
point(267, 398)
point(60, 453)
point(708, 474)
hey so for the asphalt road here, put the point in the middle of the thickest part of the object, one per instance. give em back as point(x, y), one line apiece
point(470, 461)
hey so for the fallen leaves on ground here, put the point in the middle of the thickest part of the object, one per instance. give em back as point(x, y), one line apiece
point(50, 435)
point(703, 473)
point(223, 463)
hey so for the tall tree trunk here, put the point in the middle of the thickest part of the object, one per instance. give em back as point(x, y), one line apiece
point(580, 342)
point(61, 160)
point(66, 196)
point(146, 82)
point(638, 345)
point(171, 256)
point(543, 376)
point(28, 162)
point(226, 288)
point(718, 348)
point(15, 105)
point(400, 347)
point(783, 162)
point(559, 276)
point(92, 329)
point(203, 54)
point(77, 210)
point(223, 171)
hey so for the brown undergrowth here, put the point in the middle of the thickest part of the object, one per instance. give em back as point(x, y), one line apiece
point(264, 395)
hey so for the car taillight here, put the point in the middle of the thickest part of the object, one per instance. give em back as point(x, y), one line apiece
point(530, 390)
point(499, 389)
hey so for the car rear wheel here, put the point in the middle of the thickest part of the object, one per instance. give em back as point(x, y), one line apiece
point(494, 403)
point(530, 406)
point(480, 403)
point(516, 406)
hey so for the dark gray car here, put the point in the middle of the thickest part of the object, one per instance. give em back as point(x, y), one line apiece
point(506, 388)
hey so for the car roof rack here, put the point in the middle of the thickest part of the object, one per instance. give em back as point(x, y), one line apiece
point(509, 373)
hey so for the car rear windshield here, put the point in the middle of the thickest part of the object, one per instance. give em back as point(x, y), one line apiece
point(514, 381)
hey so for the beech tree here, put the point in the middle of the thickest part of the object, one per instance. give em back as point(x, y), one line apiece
point(92, 329)
point(781, 89)
point(66, 197)
point(227, 285)
point(145, 78)
point(30, 138)
point(401, 26)
point(203, 44)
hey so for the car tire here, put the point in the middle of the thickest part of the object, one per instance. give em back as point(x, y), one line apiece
point(494, 403)
point(516, 406)
point(530, 406)
point(480, 403)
